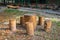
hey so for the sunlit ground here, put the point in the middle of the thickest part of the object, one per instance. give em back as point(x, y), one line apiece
point(20, 34)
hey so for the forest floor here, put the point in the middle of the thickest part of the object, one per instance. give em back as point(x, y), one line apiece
point(40, 34)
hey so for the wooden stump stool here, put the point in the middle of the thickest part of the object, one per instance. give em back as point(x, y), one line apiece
point(22, 20)
point(31, 18)
point(29, 28)
point(34, 20)
point(12, 24)
point(47, 25)
point(41, 21)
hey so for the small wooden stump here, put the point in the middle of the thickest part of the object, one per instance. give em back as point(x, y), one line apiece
point(22, 20)
point(12, 24)
point(41, 21)
point(31, 18)
point(47, 25)
point(29, 28)
point(34, 21)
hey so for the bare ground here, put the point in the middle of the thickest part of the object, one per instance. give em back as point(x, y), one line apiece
point(40, 34)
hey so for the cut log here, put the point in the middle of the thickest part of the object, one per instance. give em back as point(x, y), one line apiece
point(47, 25)
point(14, 7)
point(12, 24)
point(31, 18)
point(29, 28)
point(22, 21)
point(41, 21)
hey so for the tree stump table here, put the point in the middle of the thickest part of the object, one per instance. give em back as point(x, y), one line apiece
point(31, 18)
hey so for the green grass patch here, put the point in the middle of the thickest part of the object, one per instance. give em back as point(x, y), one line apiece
point(53, 19)
point(12, 12)
point(58, 23)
